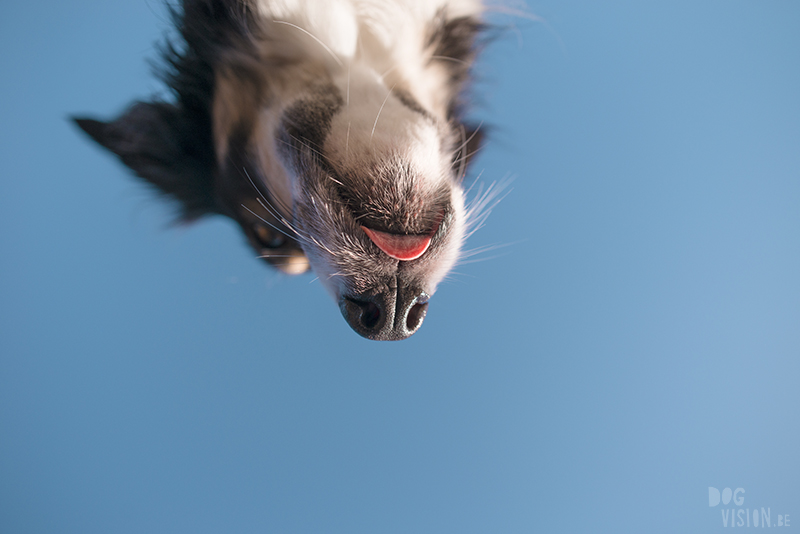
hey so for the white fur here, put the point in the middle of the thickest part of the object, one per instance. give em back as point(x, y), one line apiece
point(348, 113)
point(373, 52)
point(367, 48)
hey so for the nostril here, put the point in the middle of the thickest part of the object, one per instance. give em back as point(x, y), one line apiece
point(370, 315)
point(416, 314)
point(384, 315)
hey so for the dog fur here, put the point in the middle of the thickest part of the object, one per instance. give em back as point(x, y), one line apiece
point(332, 131)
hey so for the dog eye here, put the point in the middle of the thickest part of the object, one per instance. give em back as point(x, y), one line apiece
point(268, 237)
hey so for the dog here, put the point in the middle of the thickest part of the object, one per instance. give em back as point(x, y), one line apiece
point(331, 131)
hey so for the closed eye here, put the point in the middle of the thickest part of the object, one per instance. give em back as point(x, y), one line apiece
point(268, 237)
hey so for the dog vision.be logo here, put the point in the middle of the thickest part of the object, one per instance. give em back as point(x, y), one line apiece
point(736, 515)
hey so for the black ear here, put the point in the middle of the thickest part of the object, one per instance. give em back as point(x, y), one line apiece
point(168, 147)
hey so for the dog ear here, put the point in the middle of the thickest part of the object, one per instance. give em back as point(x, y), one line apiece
point(166, 146)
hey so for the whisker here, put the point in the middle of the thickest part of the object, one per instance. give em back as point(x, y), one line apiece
point(297, 234)
point(347, 140)
point(453, 59)
point(481, 206)
point(304, 143)
point(462, 168)
point(475, 181)
point(260, 218)
point(323, 45)
point(463, 260)
point(521, 14)
point(477, 129)
point(262, 200)
point(379, 112)
point(276, 256)
point(463, 156)
point(485, 248)
point(382, 76)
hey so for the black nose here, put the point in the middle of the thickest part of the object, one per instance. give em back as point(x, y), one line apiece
point(385, 316)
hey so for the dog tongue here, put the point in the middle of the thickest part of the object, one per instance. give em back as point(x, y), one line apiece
point(398, 246)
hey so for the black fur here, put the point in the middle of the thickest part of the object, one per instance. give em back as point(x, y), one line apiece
point(170, 144)
point(222, 58)
point(455, 46)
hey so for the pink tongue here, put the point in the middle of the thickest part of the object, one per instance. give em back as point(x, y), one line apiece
point(399, 247)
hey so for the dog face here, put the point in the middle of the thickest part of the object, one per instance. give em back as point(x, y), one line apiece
point(378, 207)
point(324, 163)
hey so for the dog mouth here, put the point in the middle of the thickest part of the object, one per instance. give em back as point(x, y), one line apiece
point(399, 246)
point(403, 226)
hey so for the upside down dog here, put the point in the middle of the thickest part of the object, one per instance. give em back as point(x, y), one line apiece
point(331, 131)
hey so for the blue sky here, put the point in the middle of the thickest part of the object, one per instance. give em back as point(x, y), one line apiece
point(636, 342)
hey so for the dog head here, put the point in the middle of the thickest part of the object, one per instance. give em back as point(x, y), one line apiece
point(329, 167)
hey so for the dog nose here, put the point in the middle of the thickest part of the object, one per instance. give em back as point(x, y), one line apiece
point(386, 316)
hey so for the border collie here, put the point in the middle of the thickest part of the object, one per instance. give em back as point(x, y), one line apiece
point(332, 131)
